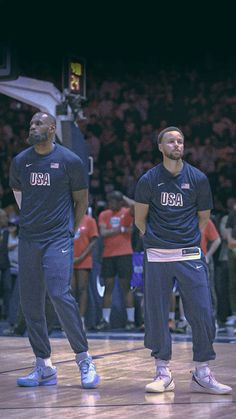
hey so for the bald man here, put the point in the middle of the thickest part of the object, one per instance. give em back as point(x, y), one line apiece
point(50, 187)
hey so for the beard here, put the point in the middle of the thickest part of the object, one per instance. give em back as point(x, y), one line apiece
point(173, 156)
point(34, 138)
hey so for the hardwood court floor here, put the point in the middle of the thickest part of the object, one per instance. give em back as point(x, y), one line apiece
point(125, 367)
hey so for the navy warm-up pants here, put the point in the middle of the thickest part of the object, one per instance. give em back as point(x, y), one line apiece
point(47, 266)
point(194, 290)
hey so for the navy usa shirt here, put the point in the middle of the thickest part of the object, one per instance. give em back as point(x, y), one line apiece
point(174, 201)
point(46, 183)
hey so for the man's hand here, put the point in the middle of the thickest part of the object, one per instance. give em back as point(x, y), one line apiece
point(231, 243)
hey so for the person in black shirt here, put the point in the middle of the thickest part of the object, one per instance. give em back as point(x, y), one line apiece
point(172, 206)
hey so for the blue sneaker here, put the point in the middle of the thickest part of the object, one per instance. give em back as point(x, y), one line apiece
point(40, 376)
point(89, 376)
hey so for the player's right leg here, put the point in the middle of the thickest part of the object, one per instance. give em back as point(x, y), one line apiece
point(32, 296)
point(158, 285)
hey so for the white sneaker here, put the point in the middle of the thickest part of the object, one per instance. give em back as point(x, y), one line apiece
point(162, 382)
point(208, 384)
point(231, 321)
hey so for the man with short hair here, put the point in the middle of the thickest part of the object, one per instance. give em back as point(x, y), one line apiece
point(51, 190)
point(115, 224)
point(173, 203)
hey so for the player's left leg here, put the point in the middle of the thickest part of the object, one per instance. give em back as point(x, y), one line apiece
point(57, 266)
point(195, 293)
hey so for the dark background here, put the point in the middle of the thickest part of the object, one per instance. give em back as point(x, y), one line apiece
point(141, 35)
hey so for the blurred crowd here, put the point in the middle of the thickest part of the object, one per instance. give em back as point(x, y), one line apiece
point(124, 113)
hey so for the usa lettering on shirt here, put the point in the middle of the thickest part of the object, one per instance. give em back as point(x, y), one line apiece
point(39, 179)
point(171, 199)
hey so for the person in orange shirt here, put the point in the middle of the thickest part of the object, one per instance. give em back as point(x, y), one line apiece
point(83, 245)
point(210, 241)
point(115, 224)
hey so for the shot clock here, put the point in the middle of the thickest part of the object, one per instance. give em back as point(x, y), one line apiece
point(74, 76)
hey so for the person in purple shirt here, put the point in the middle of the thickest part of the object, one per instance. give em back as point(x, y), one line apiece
point(172, 206)
point(51, 189)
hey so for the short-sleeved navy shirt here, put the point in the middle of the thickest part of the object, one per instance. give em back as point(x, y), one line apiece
point(47, 183)
point(174, 201)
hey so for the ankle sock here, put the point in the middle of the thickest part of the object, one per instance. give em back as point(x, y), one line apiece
point(81, 356)
point(202, 369)
point(162, 368)
point(130, 314)
point(44, 362)
point(161, 363)
point(106, 312)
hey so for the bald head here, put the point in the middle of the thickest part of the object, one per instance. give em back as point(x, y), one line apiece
point(42, 128)
point(47, 117)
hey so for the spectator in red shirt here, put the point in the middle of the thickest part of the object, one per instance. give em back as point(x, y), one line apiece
point(210, 241)
point(83, 245)
point(115, 226)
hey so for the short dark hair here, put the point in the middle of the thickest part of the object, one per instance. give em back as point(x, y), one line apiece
point(168, 129)
point(115, 195)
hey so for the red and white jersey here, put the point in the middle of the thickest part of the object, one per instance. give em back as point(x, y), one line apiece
point(88, 229)
point(119, 244)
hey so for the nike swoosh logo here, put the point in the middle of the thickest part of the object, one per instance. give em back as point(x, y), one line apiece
point(46, 377)
point(159, 184)
point(198, 266)
point(65, 251)
point(27, 165)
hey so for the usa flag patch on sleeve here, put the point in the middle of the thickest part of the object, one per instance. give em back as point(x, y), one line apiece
point(185, 186)
point(54, 165)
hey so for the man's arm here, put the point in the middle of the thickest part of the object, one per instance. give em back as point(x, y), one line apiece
point(92, 242)
point(140, 216)
point(223, 230)
point(130, 202)
point(213, 247)
point(81, 204)
point(231, 241)
point(203, 218)
point(108, 232)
